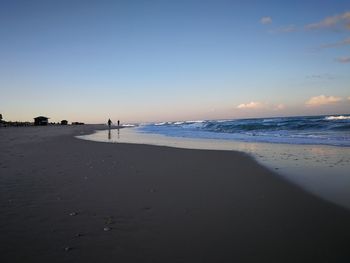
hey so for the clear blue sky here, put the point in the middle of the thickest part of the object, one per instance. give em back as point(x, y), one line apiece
point(173, 60)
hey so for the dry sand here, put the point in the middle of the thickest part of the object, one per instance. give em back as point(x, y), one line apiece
point(68, 200)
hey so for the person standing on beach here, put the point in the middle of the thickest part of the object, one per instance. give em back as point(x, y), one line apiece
point(118, 123)
point(109, 123)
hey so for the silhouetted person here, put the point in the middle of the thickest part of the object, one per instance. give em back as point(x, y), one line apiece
point(118, 123)
point(109, 123)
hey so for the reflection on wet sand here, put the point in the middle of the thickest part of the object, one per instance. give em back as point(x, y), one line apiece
point(111, 135)
point(322, 170)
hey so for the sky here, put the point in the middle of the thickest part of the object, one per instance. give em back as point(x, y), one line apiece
point(145, 61)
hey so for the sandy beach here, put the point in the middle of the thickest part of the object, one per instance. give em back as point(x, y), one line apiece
point(63, 199)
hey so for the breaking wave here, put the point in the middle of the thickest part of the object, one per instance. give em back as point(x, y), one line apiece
point(328, 130)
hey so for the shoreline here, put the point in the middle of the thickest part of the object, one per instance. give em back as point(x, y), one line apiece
point(319, 169)
point(71, 200)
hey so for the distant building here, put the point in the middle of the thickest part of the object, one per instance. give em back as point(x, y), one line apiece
point(41, 120)
point(64, 122)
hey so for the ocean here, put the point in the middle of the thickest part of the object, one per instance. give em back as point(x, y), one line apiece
point(315, 130)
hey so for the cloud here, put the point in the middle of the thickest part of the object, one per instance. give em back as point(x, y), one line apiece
point(285, 29)
point(343, 60)
point(339, 20)
point(322, 100)
point(255, 105)
point(341, 43)
point(251, 105)
point(265, 20)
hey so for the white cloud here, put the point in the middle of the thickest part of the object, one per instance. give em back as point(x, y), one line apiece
point(322, 100)
point(343, 60)
point(255, 105)
point(251, 105)
point(266, 20)
point(342, 20)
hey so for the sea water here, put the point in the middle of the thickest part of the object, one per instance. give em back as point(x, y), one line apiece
point(312, 152)
point(324, 130)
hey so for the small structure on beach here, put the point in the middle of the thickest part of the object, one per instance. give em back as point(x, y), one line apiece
point(2, 123)
point(41, 121)
point(64, 122)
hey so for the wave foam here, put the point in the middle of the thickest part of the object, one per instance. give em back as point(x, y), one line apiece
point(341, 117)
point(160, 123)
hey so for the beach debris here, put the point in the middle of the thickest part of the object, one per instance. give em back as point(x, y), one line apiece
point(67, 249)
point(106, 228)
point(73, 214)
point(109, 220)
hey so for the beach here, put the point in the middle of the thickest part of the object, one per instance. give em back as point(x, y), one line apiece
point(63, 199)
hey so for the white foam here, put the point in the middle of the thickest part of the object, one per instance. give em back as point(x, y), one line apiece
point(160, 123)
point(341, 117)
point(198, 121)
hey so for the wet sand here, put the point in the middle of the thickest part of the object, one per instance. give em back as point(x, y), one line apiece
point(63, 199)
point(319, 169)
